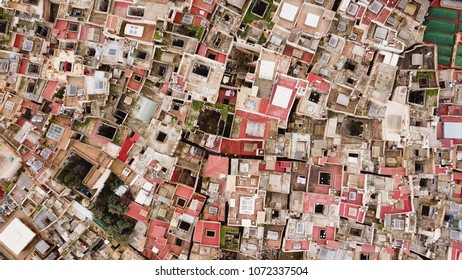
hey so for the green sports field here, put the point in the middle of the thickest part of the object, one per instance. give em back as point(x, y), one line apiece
point(442, 26)
point(439, 38)
point(443, 13)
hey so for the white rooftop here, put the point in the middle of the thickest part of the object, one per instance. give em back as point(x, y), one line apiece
point(312, 20)
point(134, 30)
point(16, 236)
point(281, 97)
point(255, 129)
point(266, 70)
point(288, 12)
point(343, 100)
point(452, 130)
point(417, 59)
point(246, 205)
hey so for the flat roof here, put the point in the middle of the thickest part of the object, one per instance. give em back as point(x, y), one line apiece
point(134, 30)
point(246, 205)
point(266, 70)
point(452, 130)
point(282, 97)
point(256, 129)
point(288, 11)
point(394, 122)
point(343, 100)
point(16, 236)
point(312, 20)
point(146, 109)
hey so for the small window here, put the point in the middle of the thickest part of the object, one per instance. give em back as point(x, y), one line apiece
point(181, 202)
point(300, 228)
point(33, 68)
point(201, 70)
point(30, 87)
point(178, 43)
point(210, 233)
point(112, 52)
point(99, 85)
point(213, 210)
point(217, 41)
point(352, 196)
point(141, 55)
point(323, 234)
point(71, 90)
point(208, 1)
point(319, 209)
point(134, 11)
point(126, 171)
point(425, 210)
point(325, 178)
point(161, 137)
point(185, 226)
point(137, 78)
point(187, 19)
point(55, 132)
point(73, 26)
point(27, 45)
point(9, 105)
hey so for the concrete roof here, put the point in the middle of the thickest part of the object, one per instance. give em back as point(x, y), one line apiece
point(282, 97)
point(312, 20)
point(16, 236)
point(134, 30)
point(146, 109)
point(288, 11)
point(266, 70)
point(255, 129)
point(452, 130)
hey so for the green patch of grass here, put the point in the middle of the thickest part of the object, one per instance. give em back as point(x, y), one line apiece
point(199, 31)
point(262, 39)
point(157, 35)
point(229, 232)
point(250, 17)
point(3, 15)
point(197, 105)
point(268, 13)
point(424, 74)
point(431, 92)
point(6, 186)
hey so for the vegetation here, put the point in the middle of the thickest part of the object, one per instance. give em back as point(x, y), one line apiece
point(3, 14)
point(262, 39)
point(109, 211)
point(73, 173)
point(431, 92)
point(157, 35)
point(192, 30)
point(229, 237)
point(197, 105)
point(250, 17)
point(6, 186)
point(60, 93)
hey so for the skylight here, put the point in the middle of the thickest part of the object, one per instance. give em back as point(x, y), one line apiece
point(55, 132)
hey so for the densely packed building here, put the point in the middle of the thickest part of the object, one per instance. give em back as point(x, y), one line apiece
point(230, 129)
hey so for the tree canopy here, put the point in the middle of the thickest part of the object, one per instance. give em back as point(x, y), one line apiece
point(110, 210)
